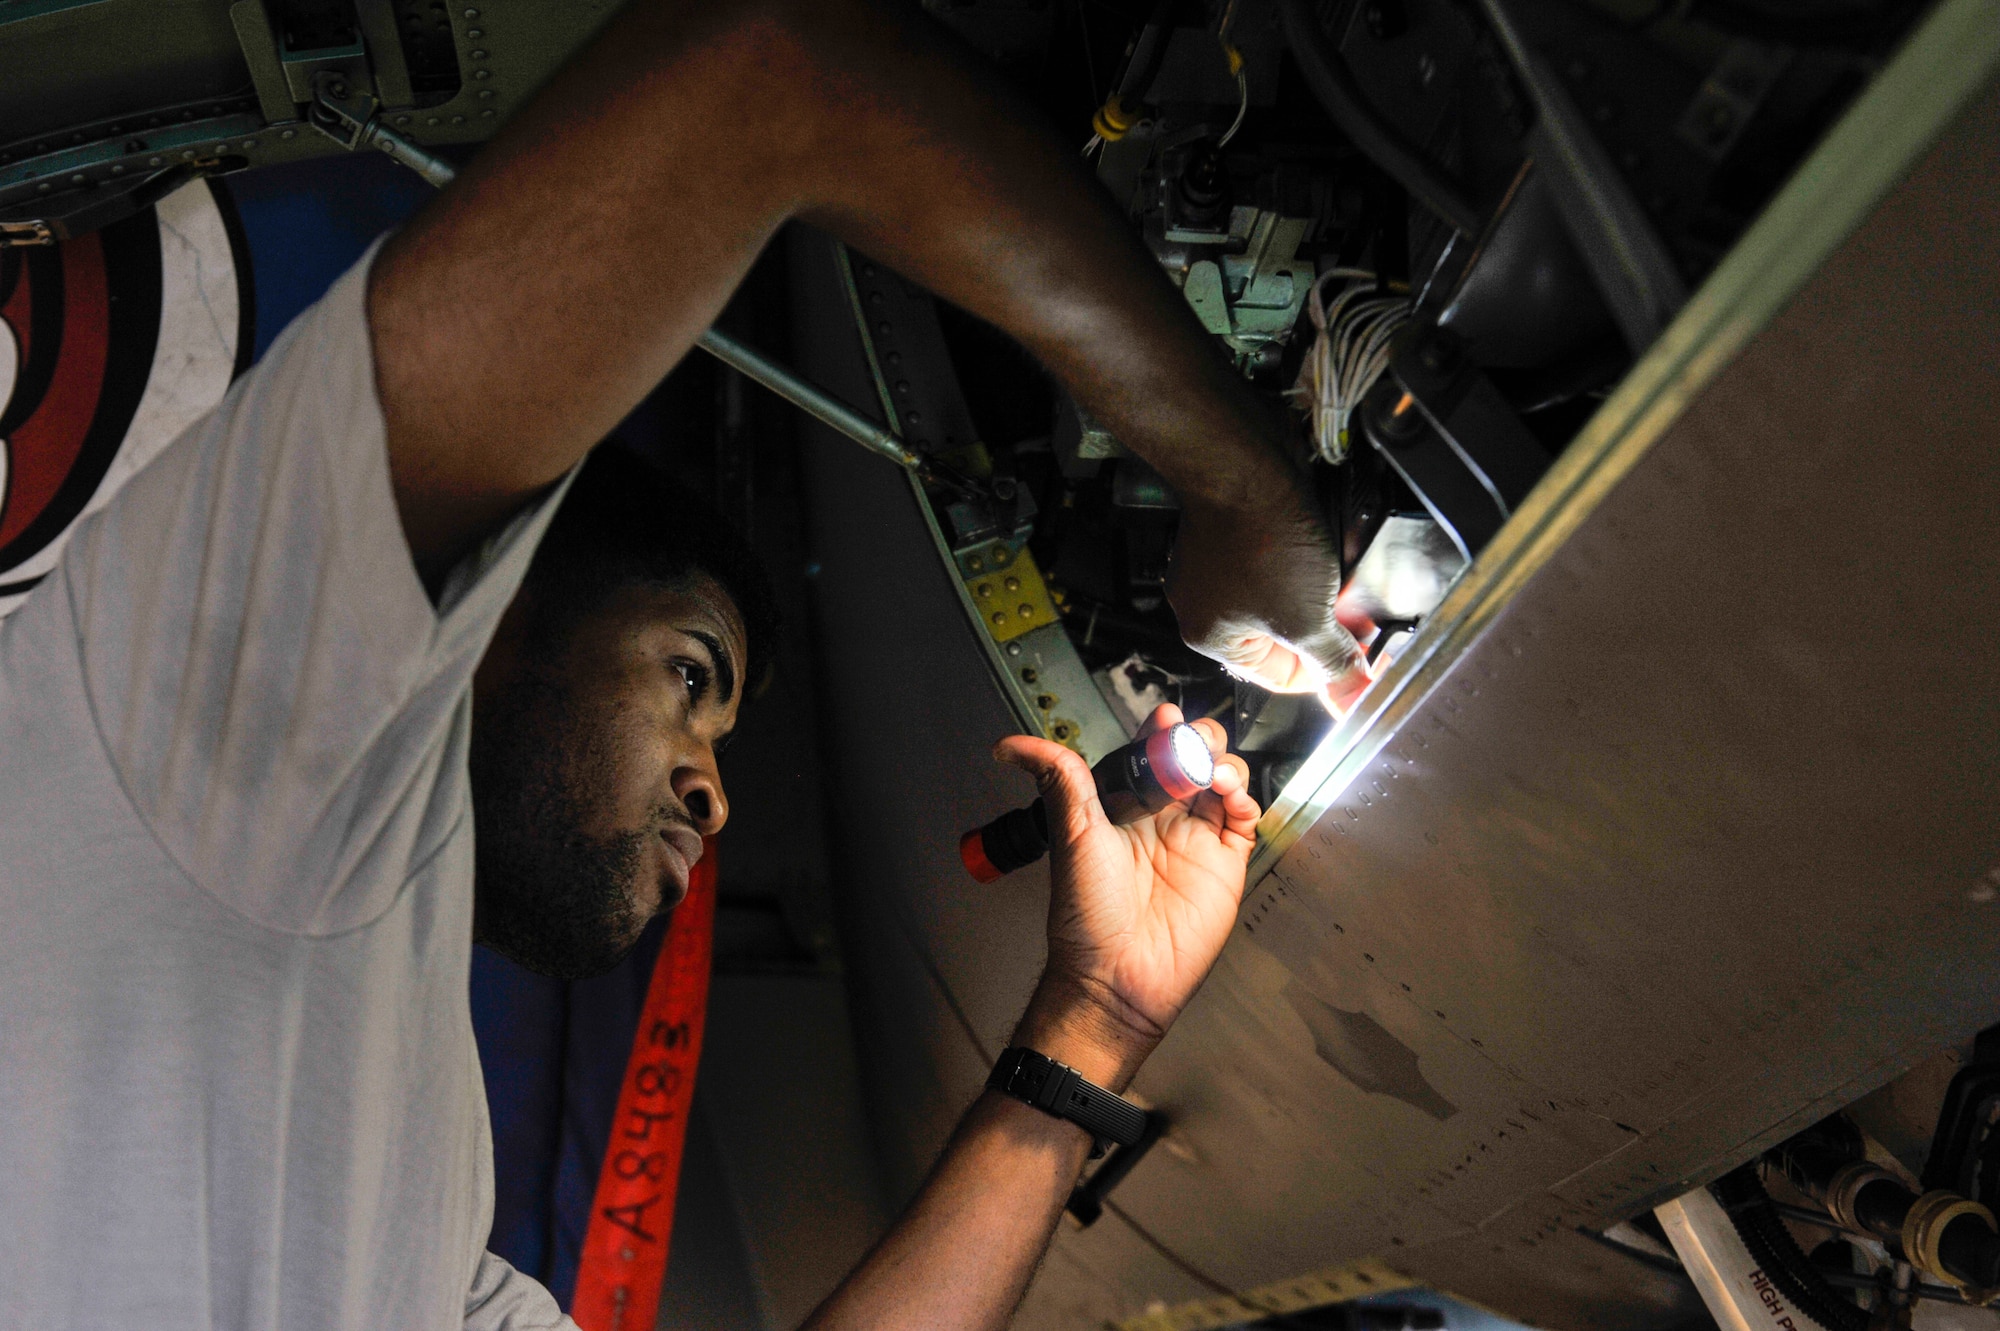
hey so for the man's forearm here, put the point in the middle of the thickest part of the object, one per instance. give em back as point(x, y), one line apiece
point(954, 181)
point(961, 1257)
point(524, 313)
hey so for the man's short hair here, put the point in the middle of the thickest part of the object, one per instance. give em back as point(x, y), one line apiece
point(625, 521)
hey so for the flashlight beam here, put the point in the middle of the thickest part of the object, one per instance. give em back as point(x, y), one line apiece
point(752, 364)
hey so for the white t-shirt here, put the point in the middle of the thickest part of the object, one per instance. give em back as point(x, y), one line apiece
point(238, 1085)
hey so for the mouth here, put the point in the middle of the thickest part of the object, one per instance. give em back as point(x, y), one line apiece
point(681, 847)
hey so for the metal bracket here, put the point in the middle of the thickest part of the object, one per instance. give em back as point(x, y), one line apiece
point(350, 118)
point(1451, 436)
point(34, 231)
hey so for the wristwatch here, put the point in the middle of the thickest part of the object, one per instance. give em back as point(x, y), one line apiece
point(1057, 1089)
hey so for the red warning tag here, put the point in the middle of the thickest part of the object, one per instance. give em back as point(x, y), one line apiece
point(624, 1258)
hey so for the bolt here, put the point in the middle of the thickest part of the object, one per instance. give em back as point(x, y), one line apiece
point(488, 113)
point(458, 120)
point(432, 121)
point(1027, 611)
point(893, 359)
point(903, 387)
point(475, 33)
point(482, 73)
point(485, 94)
point(76, 180)
point(1013, 584)
point(152, 161)
point(999, 616)
point(1002, 556)
point(977, 563)
point(118, 170)
point(479, 55)
point(1013, 649)
point(983, 590)
point(472, 13)
point(916, 417)
point(248, 144)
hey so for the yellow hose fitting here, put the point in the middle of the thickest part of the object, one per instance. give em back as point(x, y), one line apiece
point(1923, 1229)
point(1112, 121)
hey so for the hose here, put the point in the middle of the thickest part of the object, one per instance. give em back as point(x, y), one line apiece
point(1771, 1245)
point(1331, 82)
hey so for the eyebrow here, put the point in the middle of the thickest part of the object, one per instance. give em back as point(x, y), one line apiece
point(725, 669)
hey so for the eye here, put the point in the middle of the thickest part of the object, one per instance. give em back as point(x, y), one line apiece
point(695, 675)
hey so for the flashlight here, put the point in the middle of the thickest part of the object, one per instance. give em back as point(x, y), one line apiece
point(1140, 779)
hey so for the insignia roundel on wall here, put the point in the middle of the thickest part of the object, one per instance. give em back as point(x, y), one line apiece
point(111, 344)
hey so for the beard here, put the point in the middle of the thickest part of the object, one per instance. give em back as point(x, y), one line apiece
point(558, 900)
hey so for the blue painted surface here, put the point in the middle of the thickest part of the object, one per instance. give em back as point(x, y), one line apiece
point(307, 222)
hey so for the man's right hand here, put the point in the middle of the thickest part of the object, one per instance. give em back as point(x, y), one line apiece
point(1255, 589)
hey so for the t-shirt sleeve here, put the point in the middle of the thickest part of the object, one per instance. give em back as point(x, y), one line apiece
point(502, 1299)
point(274, 687)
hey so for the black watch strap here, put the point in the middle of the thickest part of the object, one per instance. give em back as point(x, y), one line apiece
point(1060, 1090)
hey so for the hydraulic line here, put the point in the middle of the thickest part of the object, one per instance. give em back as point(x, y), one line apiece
point(1941, 1234)
point(1331, 82)
point(1771, 1244)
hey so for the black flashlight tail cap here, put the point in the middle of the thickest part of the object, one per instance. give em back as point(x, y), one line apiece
point(1133, 782)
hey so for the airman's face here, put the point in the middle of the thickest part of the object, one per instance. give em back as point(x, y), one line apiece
point(594, 771)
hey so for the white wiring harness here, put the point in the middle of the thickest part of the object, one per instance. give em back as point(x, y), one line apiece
point(1349, 354)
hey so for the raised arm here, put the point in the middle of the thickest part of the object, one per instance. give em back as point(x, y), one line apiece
point(540, 297)
point(1137, 916)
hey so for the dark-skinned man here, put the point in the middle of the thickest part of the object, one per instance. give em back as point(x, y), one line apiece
point(237, 826)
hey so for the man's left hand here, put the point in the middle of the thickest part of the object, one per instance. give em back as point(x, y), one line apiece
point(1137, 914)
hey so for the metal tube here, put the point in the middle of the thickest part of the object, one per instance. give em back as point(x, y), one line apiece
point(434, 169)
point(807, 397)
point(1632, 267)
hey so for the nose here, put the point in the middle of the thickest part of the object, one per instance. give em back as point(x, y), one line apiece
point(699, 789)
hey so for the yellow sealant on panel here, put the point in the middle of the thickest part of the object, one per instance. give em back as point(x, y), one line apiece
point(1336, 1285)
point(1008, 591)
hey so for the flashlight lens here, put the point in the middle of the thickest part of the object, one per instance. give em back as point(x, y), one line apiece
point(1191, 755)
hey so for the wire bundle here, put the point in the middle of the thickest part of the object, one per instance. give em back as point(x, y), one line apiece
point(1350, 352)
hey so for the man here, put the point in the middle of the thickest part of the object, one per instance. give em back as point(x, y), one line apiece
point(238, 855)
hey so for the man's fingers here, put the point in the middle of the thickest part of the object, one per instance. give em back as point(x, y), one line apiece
point(1163, 717)
point(1340, 694)
point(1064, 779)
point(1227, 805)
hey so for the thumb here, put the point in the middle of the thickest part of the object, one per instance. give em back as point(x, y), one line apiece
point(1069, 792)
